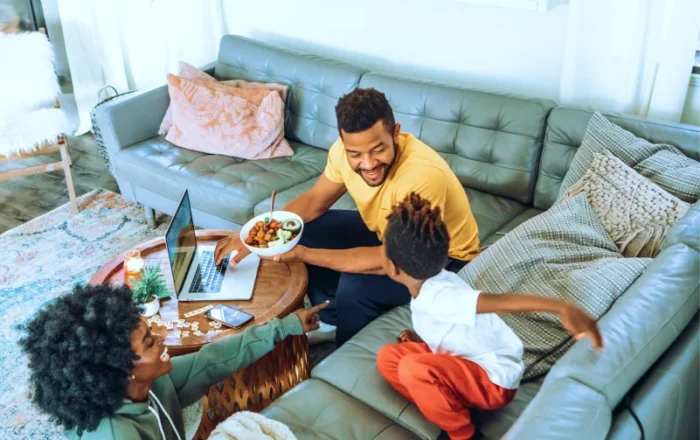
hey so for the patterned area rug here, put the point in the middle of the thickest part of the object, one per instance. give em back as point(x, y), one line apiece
point(44, 259)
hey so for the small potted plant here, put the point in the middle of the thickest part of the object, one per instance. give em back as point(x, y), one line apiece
point(149, 290)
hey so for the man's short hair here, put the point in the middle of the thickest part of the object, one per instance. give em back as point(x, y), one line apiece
point(360, 109)
point(416, 239)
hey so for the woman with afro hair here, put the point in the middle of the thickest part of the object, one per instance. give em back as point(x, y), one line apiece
point(98, 370)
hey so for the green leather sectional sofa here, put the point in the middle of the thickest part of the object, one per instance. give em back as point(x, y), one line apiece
point(511, 155)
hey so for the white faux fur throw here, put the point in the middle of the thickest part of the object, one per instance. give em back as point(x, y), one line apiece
point(27, 77)
point(28, 91)
point(22, 132)
point(246, 425)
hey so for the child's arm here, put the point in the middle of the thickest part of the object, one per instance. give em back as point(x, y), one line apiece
point(575, 321)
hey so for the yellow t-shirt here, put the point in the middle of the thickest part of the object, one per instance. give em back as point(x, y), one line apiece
point(420, 169)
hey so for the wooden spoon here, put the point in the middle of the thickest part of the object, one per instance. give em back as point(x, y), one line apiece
point(272, 209)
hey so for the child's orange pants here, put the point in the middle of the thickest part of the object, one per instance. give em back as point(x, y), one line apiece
point(442, 386)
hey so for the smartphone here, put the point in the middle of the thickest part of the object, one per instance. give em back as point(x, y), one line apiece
point(229, 316)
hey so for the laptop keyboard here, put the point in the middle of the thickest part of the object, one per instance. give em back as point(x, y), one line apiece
point(209, 277)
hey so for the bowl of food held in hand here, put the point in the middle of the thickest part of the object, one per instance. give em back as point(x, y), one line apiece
point(273, 233)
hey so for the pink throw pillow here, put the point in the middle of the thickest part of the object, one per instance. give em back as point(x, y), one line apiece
point(214, 118)
point(188, 71)
point(243, 84)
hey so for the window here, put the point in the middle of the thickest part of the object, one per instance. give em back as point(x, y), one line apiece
point(26, 14)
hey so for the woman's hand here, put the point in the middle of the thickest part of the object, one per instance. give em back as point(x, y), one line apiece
point(580, 324)
point(409, 336)
point(309, 319)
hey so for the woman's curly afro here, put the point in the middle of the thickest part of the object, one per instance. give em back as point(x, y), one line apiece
point(80, 357)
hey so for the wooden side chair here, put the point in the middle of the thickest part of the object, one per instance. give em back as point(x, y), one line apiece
point(36, 47)
point(59, 146)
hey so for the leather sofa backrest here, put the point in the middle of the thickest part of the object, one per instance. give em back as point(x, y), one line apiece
point(492, 142)
point(315, 84)
point(566, 127)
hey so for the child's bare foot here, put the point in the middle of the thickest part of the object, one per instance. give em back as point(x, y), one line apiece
point(409, 336)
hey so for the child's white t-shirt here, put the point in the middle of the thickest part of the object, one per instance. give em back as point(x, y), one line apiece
point(444, 316)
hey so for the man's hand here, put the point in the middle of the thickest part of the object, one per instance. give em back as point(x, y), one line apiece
point(580, 324)
point(365, 260)
point(296, 254)
point(409, 336)
point(227, 245)
point(309, 318)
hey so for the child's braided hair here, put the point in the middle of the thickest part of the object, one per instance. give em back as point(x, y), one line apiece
point(416, 239)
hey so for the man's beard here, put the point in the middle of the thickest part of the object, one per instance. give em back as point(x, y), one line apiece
point(387, 168)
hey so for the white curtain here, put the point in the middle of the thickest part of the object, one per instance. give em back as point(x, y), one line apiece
point(631, 56)
point(133, 43)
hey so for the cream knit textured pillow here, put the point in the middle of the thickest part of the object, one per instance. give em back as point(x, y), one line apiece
point(636, 212)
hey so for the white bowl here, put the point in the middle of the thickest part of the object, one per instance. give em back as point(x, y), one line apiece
point(281, 216)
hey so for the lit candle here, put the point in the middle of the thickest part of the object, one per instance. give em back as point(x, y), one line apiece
point(133, 263)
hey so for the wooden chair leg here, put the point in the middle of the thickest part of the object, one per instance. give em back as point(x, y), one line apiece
point(65, 158)
point(150, 216)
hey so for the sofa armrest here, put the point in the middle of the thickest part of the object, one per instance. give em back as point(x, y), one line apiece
point(639, 328)
point(686, 230)
point(135, 118)
point(563, 409)
point(209, 68)
point(581, 390)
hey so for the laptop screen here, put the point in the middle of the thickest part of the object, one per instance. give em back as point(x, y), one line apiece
point(181, 242)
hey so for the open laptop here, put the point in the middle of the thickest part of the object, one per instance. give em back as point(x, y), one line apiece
point(196, 276)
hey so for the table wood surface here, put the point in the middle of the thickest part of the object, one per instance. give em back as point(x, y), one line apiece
point(279, 290)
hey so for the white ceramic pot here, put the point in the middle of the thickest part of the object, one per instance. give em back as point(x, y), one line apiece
point(150, 308)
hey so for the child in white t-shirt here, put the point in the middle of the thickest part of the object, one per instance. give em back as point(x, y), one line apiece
point(461, 355)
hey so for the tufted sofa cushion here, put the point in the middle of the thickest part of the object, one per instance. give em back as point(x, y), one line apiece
point(492, 212)
point(314, 410)
point(237, 189)
point(565, 129)
point(492, 142)
point(315, 84)
point(506, 228)
point(219, 185)
point(353, 369)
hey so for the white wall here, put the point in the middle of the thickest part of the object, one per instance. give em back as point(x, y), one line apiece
point(474, 46)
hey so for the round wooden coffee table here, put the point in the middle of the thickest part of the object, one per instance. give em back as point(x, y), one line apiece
point(279, 290)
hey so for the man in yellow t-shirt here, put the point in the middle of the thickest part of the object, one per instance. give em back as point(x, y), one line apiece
point(378, 165)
